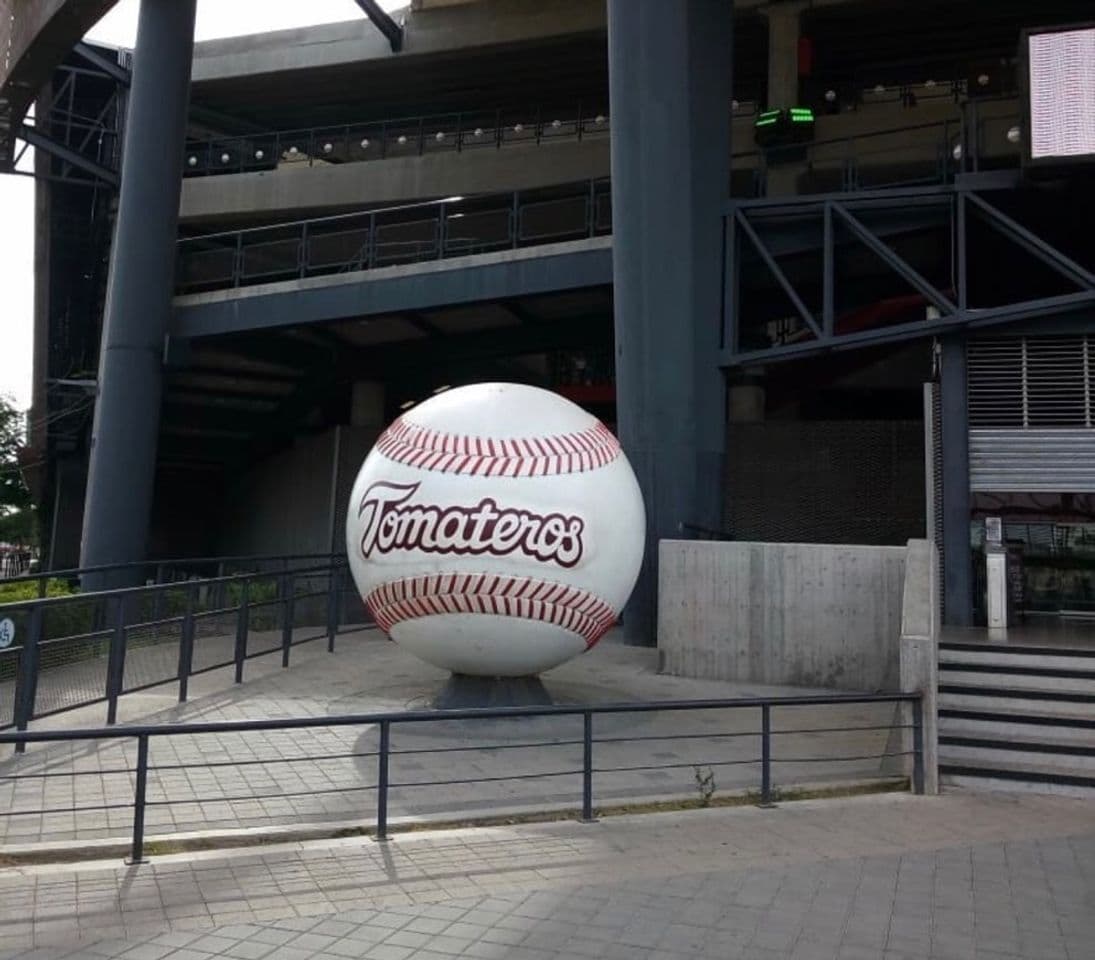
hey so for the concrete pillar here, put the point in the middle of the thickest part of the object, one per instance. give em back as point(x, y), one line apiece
point(957, 556)
point(745, 402)
point(138, 305)
point(367, 404)
point(669, 75)
point(783, 33)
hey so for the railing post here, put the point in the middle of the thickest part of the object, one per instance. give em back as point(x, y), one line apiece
point(332, 606)
point(370, 247)
point(587, 767)
point(242, 623)
point(186, 644)
point(288, 615)
point(115, 669)
point(382, 781)
point(515, 213)
point(28, 676)
point(136, 854)
point(237, 266)
point(918, 745)
point(766, 756)
point(442, 214)
point(218, 587)
point(302, 253)
point(43, 584)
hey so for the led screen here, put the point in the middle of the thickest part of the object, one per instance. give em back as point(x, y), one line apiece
point(1062, 93)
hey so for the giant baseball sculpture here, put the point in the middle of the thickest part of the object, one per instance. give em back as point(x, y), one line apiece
point(496, 530)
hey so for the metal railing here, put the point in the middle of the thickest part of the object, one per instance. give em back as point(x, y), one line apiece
point(169, 570)
point(387, 236)
point(82, 649)
point(401, 137)
point(385, 723)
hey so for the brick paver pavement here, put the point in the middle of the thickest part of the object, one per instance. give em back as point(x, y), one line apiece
point(327, 775)
point(892, 877)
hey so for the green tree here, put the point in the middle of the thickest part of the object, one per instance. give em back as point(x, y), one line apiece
point(17, 519)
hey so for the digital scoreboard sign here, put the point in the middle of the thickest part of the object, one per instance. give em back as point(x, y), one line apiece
point(1059, 96)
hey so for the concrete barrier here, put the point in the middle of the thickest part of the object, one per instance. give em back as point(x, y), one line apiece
point(814, 615)
point(919, 650)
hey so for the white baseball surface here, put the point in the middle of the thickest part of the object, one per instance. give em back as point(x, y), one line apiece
point(496, 530)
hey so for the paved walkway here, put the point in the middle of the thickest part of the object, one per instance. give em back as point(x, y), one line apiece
point(892, 877)
point(327, 775)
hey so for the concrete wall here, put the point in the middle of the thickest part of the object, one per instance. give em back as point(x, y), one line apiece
point(300, 189)
point(802, 614)
point(284, 505)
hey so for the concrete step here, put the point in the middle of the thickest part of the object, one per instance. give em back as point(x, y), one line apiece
point(972, 778)
point(1016, 725)
point(1013, 700)
point(1045, 757)
point(995, 657)
point(1017, 678)
point(949, 647)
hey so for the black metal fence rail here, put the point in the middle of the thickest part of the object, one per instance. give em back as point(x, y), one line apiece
point(169, 570)
point(385, 723)
point(82, 649)
point(392, 235)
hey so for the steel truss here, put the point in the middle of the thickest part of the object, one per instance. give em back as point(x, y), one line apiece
point(958, 202)
point(88, 147)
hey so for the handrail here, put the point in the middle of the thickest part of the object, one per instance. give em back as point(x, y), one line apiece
point(73, 573)
point(384, 722)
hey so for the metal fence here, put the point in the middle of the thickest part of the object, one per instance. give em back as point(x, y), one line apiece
point(81, 649)
point(388, 236)
point(386, 724)
point(402, 137)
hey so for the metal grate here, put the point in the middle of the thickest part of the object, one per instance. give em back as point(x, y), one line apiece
point(1031, 382)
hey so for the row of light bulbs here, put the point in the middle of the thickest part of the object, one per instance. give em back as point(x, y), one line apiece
point(365, 142)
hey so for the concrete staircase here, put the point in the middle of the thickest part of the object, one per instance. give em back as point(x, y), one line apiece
point(1015, 717)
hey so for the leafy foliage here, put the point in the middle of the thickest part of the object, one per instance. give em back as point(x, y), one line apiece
point(17, 518)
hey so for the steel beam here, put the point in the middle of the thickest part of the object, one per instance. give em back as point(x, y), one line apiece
point(1032, 243)
point(891, 259)
point(111, 68)
point(48, 145)
point(384, 23)
point(778, 275)
point(957, 557)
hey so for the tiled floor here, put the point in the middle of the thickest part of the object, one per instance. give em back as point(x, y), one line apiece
point(894, 877)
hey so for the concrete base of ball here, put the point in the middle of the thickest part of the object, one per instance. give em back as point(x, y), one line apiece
point(464, 692)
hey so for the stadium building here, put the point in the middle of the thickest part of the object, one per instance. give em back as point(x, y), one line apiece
point(825, 266)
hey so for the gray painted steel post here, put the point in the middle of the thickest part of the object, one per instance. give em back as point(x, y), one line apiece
point(243, 622)
point(28, 676)
point(115, 668)
point(138, 306)
point(382, 781)
point(957, 555)
point(669, 72)
point(766, 757)
point(186, 644)
point(587, 767)
point(289, 615)
point(136, 854)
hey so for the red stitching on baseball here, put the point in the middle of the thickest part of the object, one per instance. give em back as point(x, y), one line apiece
point(428, 449)
point(565, 606)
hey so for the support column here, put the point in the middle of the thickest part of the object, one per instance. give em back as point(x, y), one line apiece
point(957, 556)
point(669, 73)
point(138, 305)
point(783, 34)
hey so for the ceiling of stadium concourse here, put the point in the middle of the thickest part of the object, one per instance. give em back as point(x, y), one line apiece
point(249, 393)
point(557, 72)
point(875, 40)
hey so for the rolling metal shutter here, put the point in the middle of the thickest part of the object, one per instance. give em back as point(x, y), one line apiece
point(1032, 414)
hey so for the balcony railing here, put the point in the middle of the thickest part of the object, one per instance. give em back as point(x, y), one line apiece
point(410, 233)
point(405, 137)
